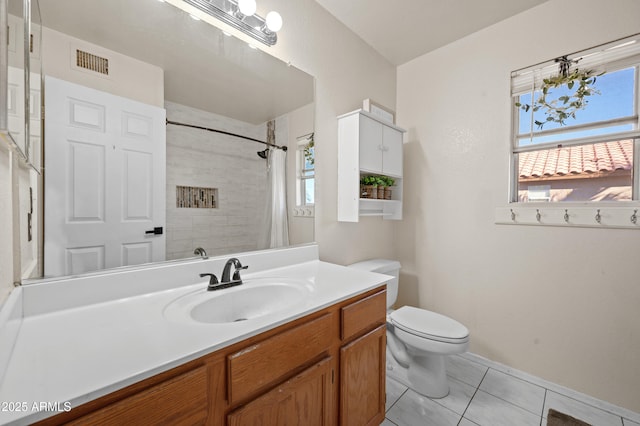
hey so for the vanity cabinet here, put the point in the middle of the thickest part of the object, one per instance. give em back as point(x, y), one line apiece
point(326, 368)
point(367, 145)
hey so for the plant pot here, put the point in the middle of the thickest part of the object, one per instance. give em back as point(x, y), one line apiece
point(368, 191)
point(381, 193)
point(387, 193)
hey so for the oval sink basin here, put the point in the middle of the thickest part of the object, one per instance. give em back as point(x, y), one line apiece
point(253, 299)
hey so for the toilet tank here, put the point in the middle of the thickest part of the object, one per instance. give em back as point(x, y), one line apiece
point(387, 267)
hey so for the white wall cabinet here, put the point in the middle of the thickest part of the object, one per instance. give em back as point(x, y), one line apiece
point(367, 145)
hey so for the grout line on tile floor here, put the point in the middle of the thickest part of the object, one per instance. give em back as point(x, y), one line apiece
point(474, 395)
point(512, 403)
point(544, 403)
point(396, 401)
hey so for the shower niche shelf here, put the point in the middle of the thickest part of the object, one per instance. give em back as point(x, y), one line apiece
point(368, 145)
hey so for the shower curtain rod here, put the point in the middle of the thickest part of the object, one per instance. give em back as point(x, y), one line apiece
point(193, 126)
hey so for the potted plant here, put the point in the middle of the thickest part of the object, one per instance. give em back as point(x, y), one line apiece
point(368, 187)
point(380, 182)
point(388, 183)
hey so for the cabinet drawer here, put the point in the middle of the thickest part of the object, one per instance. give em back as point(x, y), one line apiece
point(267, 362)
point(181, 400)
point(363, 315)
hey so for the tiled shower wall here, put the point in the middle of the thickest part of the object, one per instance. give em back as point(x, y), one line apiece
point(212, 160)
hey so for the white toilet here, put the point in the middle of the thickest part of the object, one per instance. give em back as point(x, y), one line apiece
point(417, 340)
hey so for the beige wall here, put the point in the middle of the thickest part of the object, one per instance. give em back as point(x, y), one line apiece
point(559, 303)
point(300, 124)
point(347, 71)
point(128, 77)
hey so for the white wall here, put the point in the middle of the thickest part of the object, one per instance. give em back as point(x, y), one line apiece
point(559, 303)
point(213, 160)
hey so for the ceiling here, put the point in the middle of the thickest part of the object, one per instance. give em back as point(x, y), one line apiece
point(202, 67)
point(403, 30)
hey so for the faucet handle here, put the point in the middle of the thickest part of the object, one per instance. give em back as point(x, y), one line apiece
point(213, 280)
point(236, 273)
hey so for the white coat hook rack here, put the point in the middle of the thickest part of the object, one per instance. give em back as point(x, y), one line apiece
point(605, 216)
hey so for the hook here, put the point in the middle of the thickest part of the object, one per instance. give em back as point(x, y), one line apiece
point(538, 215)
point(513, 215)
point(566, 215)
point(598, 217)
point(634, 217)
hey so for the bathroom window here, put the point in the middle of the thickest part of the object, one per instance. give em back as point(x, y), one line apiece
point(576, 132)
point(305, 193)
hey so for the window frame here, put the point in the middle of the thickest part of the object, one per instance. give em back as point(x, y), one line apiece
point(634, 134)
point(301, 176)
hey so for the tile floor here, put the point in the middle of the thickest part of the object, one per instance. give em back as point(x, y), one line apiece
point(484, 396)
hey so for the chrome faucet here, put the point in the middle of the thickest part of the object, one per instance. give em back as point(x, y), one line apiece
point(226, 272)
point(200, 252)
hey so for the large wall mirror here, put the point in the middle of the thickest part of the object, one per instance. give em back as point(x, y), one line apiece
point(123, 187)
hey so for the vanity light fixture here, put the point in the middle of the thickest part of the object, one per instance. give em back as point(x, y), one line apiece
point(241, 15)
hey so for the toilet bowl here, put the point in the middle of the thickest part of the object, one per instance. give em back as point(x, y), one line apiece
point(418, 340)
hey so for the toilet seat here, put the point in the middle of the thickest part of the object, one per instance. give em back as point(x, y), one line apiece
point(429, 325)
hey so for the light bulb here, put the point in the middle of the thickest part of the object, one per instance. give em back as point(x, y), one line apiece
point(274, 21)
point(247, 7)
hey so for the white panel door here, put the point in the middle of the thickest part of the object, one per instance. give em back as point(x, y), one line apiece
point(104, 180)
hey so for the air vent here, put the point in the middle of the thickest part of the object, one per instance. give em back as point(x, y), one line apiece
point(92, 62)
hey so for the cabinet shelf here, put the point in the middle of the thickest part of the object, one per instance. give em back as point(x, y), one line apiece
point(384, 208)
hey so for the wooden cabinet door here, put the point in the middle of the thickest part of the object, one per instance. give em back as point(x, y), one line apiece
point(392, 151)
point(370, 156)
point(304, 400)
point(362, 379)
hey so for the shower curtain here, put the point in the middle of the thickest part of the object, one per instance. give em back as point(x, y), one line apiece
point(276, 223)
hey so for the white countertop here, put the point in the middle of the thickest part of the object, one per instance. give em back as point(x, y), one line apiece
point(78, 354)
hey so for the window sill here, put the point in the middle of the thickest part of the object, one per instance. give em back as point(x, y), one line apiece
point(570, 215)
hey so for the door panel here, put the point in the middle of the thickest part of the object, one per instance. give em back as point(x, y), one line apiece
point(86, 182)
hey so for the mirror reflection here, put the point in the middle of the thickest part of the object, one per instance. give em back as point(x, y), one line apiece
point(121, 186)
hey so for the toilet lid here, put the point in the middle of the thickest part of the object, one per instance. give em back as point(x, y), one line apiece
point(429, 324)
